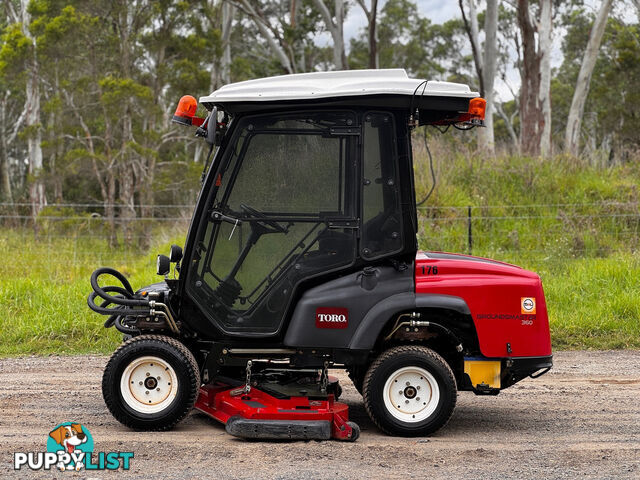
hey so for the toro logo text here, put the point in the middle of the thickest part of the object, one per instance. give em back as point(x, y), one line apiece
point(332, 317)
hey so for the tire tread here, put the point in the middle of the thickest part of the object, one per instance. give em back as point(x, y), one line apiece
point(390, 353)
point(187, 358)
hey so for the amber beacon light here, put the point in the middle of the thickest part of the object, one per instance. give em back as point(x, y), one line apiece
point(477, 108)
point(185, 111)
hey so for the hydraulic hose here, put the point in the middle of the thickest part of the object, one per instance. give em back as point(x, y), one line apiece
point(101, 309)
point(122, 291)
point(99, 291)
point(127, 303)
point(122, 328)
point(125, 298)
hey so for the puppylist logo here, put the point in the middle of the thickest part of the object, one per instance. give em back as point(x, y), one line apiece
point(70, 447)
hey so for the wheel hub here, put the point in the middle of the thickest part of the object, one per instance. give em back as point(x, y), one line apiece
point(151, 382)
point(411, 394)
point(148, 384)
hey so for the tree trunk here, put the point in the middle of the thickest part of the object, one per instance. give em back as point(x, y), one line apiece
point(339, 8)
point(484, 62)
point(110, 208)
point(227, 23)
point(374, 59)
point(535, 72)
point(32, 120)
point(509, 124)
point(372, 31)
point(471, 27)
point(126, 173)
point(298, 54)
point(6, 194)
point(335, 27)
point(544, 94)
point(34, 141)
point(574, 122)
point(486, 140)
point(275, 46)
point(126, 177)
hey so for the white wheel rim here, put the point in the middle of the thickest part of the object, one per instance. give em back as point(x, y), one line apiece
point(148, 385)
point(411, 394)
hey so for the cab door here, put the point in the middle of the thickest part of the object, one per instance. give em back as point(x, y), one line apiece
point(282, 210)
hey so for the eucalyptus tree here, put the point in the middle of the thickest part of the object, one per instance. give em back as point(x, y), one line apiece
point(371, 12)
point(20, 54)
point(485, 58)
point(574, 121)
point(535, 23)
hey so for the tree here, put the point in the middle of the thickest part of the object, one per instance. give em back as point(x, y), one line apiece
point(335, 24)
point(372, 32)
point(485, 63)
point(535, 73)
point(274, 36)
point(12, 115)
point(574, 122)
point(411, 41)
point(608, 129)
point(25, 43)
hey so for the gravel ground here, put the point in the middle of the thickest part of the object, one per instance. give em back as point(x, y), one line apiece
point(581, 420)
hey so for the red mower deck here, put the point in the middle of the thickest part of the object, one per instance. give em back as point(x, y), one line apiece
point(257, 414)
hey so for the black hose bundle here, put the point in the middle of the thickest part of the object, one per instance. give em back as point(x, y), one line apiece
point(125, 300)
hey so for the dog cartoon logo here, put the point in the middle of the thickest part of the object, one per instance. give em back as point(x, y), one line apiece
point(74, 440)
point(70, 447)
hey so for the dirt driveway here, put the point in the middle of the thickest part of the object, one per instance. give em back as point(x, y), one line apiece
point(582, 420)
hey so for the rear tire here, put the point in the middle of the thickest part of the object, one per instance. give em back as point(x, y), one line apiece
point(409, 391)
point(151, 382)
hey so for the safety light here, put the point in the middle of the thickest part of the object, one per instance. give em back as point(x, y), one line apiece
point(477, 107)
point(185, 112)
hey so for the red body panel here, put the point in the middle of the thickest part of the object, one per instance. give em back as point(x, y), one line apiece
point(495, 293)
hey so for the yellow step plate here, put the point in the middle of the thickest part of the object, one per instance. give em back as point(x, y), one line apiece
point(485, 372)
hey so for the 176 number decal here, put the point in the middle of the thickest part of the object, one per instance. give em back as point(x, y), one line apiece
point(429, 270)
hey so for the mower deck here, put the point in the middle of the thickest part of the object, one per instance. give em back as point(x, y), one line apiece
point(256, 414)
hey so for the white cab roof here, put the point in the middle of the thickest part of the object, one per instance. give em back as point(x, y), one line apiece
point(345, 83)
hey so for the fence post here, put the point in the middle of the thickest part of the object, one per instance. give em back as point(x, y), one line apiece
point(469, 232)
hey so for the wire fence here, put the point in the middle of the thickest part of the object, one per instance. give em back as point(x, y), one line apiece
point(97, 232)
point(565, 230)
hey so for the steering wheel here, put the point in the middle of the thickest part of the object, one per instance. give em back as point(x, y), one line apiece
point(275, 227)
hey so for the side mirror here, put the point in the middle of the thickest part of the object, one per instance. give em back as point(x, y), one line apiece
point(175, 254)
point(212, 125)
point(163, 265)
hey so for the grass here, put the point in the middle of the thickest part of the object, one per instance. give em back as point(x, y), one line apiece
point(593, 303)
point(583, 241)
point(43, 292)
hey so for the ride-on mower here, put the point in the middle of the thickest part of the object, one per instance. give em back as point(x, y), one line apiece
point(302, 257)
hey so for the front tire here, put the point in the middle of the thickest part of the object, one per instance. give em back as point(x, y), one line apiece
point(409, 391)
point(151, 382)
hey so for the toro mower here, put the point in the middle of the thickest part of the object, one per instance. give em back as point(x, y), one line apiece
point(302, 257)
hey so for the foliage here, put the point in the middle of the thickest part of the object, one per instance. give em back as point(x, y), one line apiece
point(409, 40)
point(109, 74)
point(609, 130)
